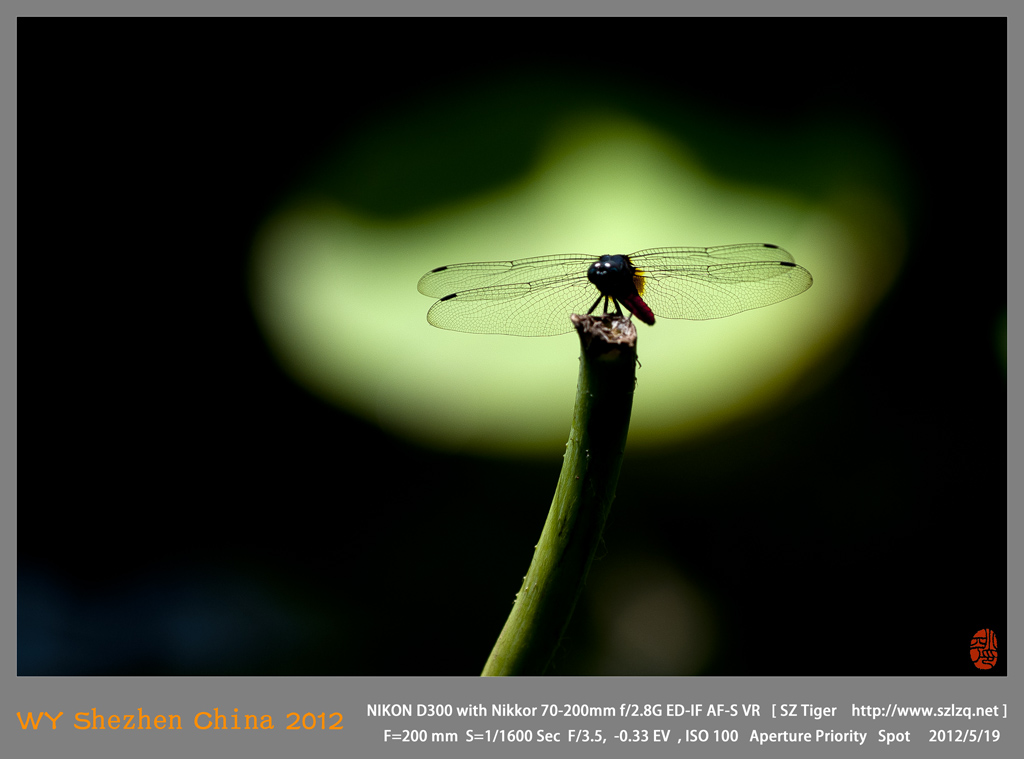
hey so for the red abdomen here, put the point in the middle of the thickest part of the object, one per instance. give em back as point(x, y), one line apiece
point(640, 309)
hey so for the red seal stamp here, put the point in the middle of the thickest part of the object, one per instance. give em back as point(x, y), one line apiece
point(984, 649)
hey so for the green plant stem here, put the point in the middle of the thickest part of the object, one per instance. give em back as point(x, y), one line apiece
point(582, 501)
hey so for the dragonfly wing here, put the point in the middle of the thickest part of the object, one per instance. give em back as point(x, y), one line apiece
point(528, 309)
point(446, 280)
point(668, 258)
point(709, 283)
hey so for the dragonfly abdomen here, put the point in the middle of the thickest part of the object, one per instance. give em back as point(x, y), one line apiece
point(639, 309)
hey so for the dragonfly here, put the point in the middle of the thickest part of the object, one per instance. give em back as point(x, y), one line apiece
point(534, 297)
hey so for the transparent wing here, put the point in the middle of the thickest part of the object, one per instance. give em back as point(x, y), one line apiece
point(446, 280)
point(528, 309)
point(709, 283)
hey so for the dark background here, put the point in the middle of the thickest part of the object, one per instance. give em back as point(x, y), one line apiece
point(186, 509)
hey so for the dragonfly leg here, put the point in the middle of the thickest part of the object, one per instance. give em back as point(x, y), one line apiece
point(606, 298)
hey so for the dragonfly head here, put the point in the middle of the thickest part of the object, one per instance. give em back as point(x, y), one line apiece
point(613, 276)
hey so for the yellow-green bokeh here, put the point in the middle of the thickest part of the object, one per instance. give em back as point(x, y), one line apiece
point(334, 286)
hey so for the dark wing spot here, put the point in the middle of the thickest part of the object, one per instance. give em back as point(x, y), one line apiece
point(767, 245)
point(448, 297)
point(786, 263)
point(439, 268)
